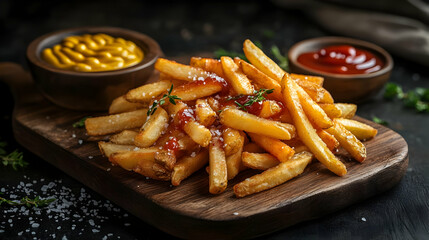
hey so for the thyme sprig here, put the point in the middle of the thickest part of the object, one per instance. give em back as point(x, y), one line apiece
point(81, 122)
point(14, 159)
point(160, 102)
point(27, 201)
point(258, 96)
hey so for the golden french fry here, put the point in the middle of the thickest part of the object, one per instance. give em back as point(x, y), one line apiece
point(306, 132)
point(124, 160)
point(261, 79)
point(152, 129)
point(253, 148)
point(314, 79)
point(313, 111)
point(260, 161)
point(208, 64)
point(235, 77)
point(270, 108)
point(250, 123)
point(125, 137)
point(186, 166)
point(258, 58)
point(120, 105)
point(166, 158)
point(330, 141)
point(148, 92)
point(198, 89)
point(233, 140)
point(115, 123)
point(361, 130)
point(316, 92)
point(180, 71)
point(274, 146)
point(348, 141)
point(348, 110)
point(234, 164)
point(108, 148)
point(218, 177)
point(274, 176)
point(332, 110)
point(205, 114)
point(186, 143)
point(198, 133)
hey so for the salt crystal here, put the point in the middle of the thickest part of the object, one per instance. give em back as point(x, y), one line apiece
point(235, 213)
point(95, 230)
point(59, 227)
point(91, 222)
point(80, 141)
point(108, 169)
point(363, 219)
point(20, 233)
point(35, 225)
point(73, 135)
point(90, 157)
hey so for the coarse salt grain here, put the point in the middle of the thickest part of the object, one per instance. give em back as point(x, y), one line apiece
point(363, 219)
point(235, 213)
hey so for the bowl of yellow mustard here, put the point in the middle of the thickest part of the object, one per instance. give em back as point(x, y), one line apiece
point(86, 68)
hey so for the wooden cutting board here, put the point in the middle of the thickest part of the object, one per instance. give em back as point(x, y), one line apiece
point(189, 210)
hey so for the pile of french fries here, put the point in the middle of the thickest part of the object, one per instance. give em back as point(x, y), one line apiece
point(190, 119)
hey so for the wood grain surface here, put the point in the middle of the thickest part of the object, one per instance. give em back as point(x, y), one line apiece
point(189, 210)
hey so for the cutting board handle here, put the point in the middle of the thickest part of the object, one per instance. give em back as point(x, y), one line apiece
point(18, 79)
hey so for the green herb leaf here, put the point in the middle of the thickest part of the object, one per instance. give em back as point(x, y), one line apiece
point(379, 121)
point(393, 90)
point(282, 60)
point(29, 202)
point(155, 104)
point(411, 99)
point(258, 96)
point(80, 123)
point(222, 52)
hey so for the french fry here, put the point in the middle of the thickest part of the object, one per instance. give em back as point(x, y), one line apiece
point(115, 123)
point(234, 164)
point(198, 89)
point(250, 123)
point(259, 161)
point(330, 141)
point(361, 130)
point(198, 133)
point(263, 80)
point(313, 111)
point(273, 176)
point(314, 79)
point(205, 114)
point(125, 137)
point(186, 143)
point(108, 148)
point(186, 166)
point(120, 105)
point(270, 108)
point(180, 71)
point(233, 140)
point(274, 146)
point(209, 65)
point(235, 77)
point(152, 129)
point(316, 92)
point(348, 110)
point(332, 110)
point(306, 132)
point(218, 176)
point(261, 61)
point(166, 158)
point(253, 148)
point(148, 92)
point(124, 160)
point(348, 141)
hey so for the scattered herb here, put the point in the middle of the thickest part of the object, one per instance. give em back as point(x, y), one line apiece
point(29, 202)
point(282, 60)
point(268, 33)
point(14, 159)
point(379, 121)
point(80, 123)
point(417, 98)
point(258, 96)
point(171, 99)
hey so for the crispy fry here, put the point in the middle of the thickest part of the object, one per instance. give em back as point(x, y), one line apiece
point(260, 161)
point(120, 105)
point(261, 61)
point(270, 108)
point(274, 146)
point(233, 140)
point(348, 110)
point(234, 164)
point(218, 176)
point(209, 65)
point(205, 114)
point(332, 110)
point(180, 71)
point(125, 137)
point(148, 92)
point(273, 176)
point(306, 132)
point(348, 141)
point(361, 130)
point(198, 89)
point(127, 162)
point(250, 123)
point(330, 141)
point(235, 77)
point(115, 123)
point(314, 79)
point(152, 129)
point(108, 148)
point(166, 158)
point(198, 133)
point(253, 148)
point(186, 143)
point(188, 165)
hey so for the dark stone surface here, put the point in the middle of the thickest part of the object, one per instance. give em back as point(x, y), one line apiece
point(400, 213)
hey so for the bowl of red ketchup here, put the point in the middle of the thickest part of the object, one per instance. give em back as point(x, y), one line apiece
point(353, 70)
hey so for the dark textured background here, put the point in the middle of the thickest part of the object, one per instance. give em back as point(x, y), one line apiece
point(400, 213)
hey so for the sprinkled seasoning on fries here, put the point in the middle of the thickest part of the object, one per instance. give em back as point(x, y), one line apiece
point(229, 115)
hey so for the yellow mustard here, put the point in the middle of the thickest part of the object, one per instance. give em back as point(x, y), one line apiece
point(93, 53)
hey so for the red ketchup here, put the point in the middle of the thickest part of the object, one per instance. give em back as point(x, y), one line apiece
point(342, 59)
point(172, 145)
